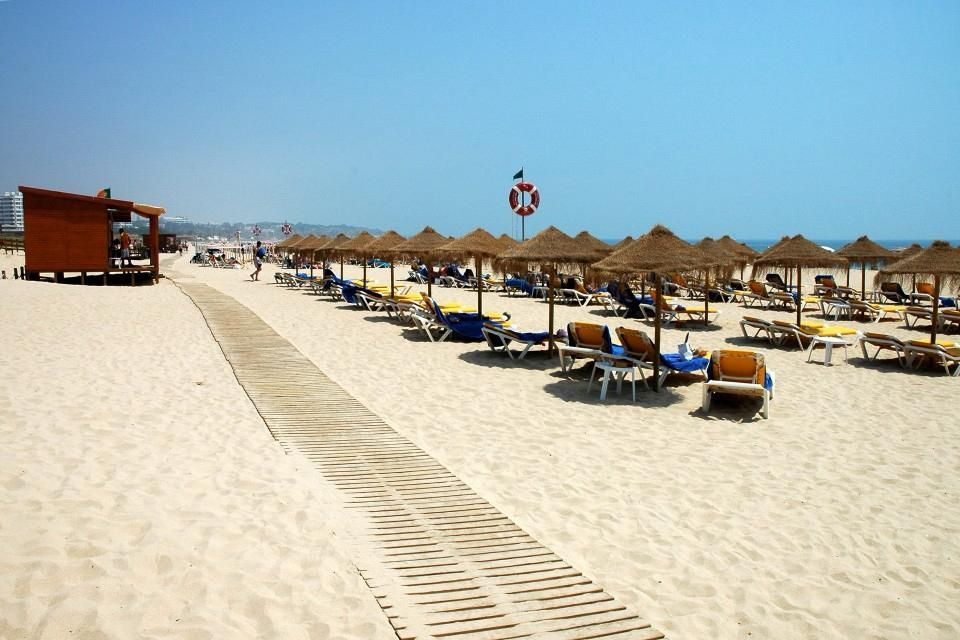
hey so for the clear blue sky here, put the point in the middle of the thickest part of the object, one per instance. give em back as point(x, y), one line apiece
point(830, 119)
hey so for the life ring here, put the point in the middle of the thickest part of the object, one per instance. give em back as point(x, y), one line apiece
point(524, 187)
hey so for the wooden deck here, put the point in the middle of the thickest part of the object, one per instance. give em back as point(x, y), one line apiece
point(441, 561)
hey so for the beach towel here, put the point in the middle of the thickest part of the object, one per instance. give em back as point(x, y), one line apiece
point(676, 362)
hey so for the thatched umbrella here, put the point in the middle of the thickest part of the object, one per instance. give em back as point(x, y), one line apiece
point(383, 246)
point(798, 252)
point(333, 248)
point(357, 246)
point(724, 260)
point(743, 253)
point(478, 244)
point(286, 242)
point(424, 245)
point(659, 251)
point(308, 245)
point(622, 244)
point(862, 250)
point(939, 260)
point(550, 248)
point(601, 248)
point(506, 242)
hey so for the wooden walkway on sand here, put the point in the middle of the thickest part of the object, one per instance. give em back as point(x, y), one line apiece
point(441, 561)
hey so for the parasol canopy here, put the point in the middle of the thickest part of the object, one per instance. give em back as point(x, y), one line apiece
point(478, 244)
point(939, 260)
point(424, 245)
point(383, 246)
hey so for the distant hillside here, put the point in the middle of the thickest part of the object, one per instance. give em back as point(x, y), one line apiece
point(270, 230)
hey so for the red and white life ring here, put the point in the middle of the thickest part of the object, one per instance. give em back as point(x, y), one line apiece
point(524, 187)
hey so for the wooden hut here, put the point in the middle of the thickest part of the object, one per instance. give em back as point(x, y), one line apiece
point(70, 232)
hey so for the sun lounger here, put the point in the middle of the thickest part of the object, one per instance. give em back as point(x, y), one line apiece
point(949, 318)
point(782, 332)
point(916, 314)
point(883, 342)
point(499, 338)
point(638, 346)
point(738, 372)
point(761, 326)
point(946, 355)
point(584, 341)
point(877, 311)
point(893, 292)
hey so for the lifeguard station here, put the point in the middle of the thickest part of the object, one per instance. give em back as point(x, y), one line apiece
point(72, 233)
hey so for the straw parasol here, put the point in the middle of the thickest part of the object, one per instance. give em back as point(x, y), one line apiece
point(383, 246)
point(864, 250)
point(550, 248)
point(939, 260)
point(743, 253)
point(308, 244)
point(798, 252)
point(333, 247)
point(478, 244)
point(725, 260)
point(659, 250)
point(621, 244)
point(286, 242)
point(357, 246)
point(424, 245)
point(601, 248)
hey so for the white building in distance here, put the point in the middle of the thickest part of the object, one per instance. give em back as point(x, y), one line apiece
point(11, 212)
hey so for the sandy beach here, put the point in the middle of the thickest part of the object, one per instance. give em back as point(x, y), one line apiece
point(143, 496)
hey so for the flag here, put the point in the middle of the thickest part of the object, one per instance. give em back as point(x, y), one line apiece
point(104, 193)
point(518, 175)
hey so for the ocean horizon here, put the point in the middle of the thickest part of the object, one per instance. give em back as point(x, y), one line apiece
point(833, 243)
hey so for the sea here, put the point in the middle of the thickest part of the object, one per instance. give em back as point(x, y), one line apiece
point(831, 243)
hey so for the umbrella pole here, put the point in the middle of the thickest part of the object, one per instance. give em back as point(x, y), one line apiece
point(656, 336)
point(479, 278)
point(311, 266)
point(429, 278)
point(550, 347)
point(706, 300)
point(341, 267)
point(936, 306)
point(392, 292)
point(364, 270)
point(799, 298)
point(848, 273)
point(863, 281)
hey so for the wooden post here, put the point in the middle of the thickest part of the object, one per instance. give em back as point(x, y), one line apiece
point(155, 247)
point(936, 306)
point(392, 292)
point(476, 264)
point(799, 299)
point(656, 334)
point(429, 277)
point(706, 299)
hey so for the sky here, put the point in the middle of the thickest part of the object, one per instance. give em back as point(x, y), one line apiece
point(758, 119)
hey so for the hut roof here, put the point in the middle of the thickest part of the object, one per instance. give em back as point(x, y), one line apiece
point(357, 244)
point(600, 247)
point(550, 246)
point(384, 244)
point(912, 250)
point(799, 252)
point(476, 243)
point(720, 253)
point(425, 243)
point(506, 242)
point(938, 259)
point(863, 248)
point(336, 242)
point(737, 248)
point(286, 242)
point(657, 250)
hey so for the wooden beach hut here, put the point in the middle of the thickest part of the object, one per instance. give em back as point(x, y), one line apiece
point(72, 233)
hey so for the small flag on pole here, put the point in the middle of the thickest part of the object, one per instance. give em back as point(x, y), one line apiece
point(518, 175)
point(104, 193)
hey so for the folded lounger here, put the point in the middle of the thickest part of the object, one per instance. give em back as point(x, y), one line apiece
point(499, 337)
point(738, 372)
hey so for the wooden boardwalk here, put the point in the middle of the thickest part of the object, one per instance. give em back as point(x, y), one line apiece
point(441, 561)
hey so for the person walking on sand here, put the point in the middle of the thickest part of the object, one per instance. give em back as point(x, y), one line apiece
point(258, 257)
point(125, 248)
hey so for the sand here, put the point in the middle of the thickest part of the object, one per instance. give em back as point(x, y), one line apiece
point(835, 518)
